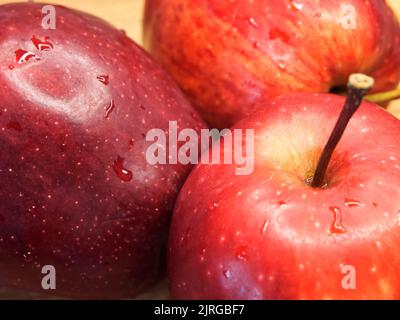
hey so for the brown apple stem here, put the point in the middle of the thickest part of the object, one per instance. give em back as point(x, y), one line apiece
point(382, 97)
point(358, 85)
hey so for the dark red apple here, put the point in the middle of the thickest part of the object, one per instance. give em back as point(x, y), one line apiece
point(76, 191)
point(230, 55)
point(271, 234)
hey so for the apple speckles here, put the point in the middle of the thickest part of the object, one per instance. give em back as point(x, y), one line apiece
point(241, 253)
point(351, 203)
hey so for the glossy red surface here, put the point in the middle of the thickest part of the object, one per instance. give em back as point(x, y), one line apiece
point(269, 235)
point(76, 191)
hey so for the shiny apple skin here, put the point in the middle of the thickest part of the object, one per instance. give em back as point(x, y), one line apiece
point(66, 196)
point(269, 235)
point(230, 55)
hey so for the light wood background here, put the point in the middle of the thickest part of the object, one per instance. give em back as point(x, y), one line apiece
point(127, 15)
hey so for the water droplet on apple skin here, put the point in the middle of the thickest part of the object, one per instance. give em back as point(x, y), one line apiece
point(22, 56)
point(109, 109)
point(265, 226)
point(297, 5)
point(352, 203)
point(227, 273)
point(104, 79)
point(42, 45)
point(281, 66)
point(122, 173)
point(337, 226)
point(253, 22)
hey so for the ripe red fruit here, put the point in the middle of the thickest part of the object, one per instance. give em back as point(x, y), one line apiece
point(76, 191)
point(230, 55)
point(270, 235)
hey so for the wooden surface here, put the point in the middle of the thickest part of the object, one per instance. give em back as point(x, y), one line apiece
point(127, 15)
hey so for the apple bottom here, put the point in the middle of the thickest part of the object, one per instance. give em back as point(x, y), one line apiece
point(270, 235)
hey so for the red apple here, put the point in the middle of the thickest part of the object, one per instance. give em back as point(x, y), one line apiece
point(76, 191)
point(230, 55)
point(271, 235)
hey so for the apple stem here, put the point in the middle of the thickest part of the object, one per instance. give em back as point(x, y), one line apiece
point(358, 85)
point(382, 97)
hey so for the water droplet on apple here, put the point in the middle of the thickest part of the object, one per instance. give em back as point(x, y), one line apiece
point(265, 226)
point(256, 44)
point(103, 79)
point(281, 65)
point(337, 226)
point(227, 274)
point(281, 203)
point(297, 5)
point(119, 169)
point(109, 109)
point(253, 22)
point(353, 203)
point(11, 66)
point(24, 56)
point(44, 45)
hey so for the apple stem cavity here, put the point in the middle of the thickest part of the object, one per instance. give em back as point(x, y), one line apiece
point(358, 86)
point(382, 97)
